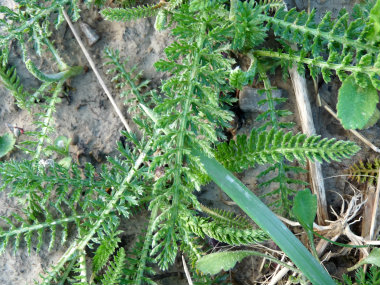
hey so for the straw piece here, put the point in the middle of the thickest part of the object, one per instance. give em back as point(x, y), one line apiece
point(92, 64)
point(304, 109)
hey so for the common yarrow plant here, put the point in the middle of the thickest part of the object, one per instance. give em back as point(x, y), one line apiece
point(160, 167)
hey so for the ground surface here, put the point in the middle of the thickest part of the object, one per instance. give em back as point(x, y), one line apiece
point(88, 118)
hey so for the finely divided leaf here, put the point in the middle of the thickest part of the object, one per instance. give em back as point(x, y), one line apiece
point(374, 18)
point(238, 78)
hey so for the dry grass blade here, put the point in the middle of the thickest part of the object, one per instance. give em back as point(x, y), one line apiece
point(97, 74)
point(304, 109)
point(187, 273)
point(375, 209)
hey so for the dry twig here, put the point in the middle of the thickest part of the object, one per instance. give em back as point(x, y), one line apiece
point(97, 74)
point(375, 209)
point(304, 109)
point(187, 273)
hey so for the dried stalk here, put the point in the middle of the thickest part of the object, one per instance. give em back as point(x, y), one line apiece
point(375, 209)
point(93, 66)
point(370, 214)
point(304, 109)
point(368, 211)
point(187, 273)
point(277, 277)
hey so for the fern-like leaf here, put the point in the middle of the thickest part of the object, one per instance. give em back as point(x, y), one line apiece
point(270, 147)
point(348, 50)
point(227, 218)
point(248, 27)
point(21, 228)
point(193, 113)
point(138, 270)
point(81, 270)
point(280, 169)
point(115, 270)
point(105, 250)
point(339, 33)
point(365, 172)
point(12, 82)
point(132, 79)
point(234, 236)
point(128, 14)
point(372, 277)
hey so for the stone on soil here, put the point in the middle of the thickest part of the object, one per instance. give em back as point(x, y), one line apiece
point(249, 98)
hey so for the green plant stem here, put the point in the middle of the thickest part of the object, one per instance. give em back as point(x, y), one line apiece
point(312, 244)
point(48, 119)
point(268, 92)
point(316, 62)
point(67, 272)
point(61, 64)
point(36, 95)
point(82, 278)
point(194, 249)
point(340, 244)
point(37, 227)
point(55, 77)
point(233, 4)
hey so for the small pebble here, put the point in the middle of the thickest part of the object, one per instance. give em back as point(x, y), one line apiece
point(74, 139)
point(249, 98)
point(91, 35)
point(331, 268)
point(17, 132)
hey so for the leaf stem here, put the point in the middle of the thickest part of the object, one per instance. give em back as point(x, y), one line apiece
point(317, 62)
point(61, 64)
point(60, 76)
point(48, 118)
point(37, 227)
point(24, 27)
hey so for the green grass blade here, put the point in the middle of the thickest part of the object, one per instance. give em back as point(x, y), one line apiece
point(266, 220)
